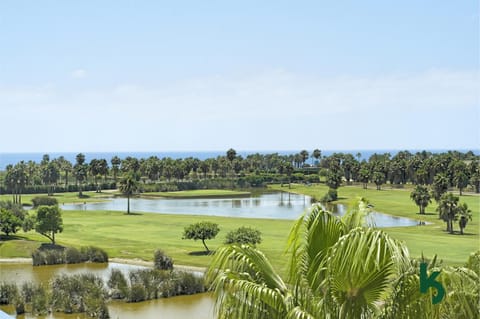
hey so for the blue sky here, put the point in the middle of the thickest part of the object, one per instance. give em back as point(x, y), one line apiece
point(252, 75)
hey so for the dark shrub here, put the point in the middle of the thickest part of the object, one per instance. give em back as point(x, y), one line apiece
point(54, 255)
point(136, 293)
point(39, 300)
point(188, 283)
point(94, 254)
point(44, 201)
point(162, 261)
point(8, 293)
point(330, 196)
point(78, 293)
point(72, 256)
point(48, 257)
point(117, 284)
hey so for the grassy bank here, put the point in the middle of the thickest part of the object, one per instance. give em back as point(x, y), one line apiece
point(430, 239)
point(137, 236)
point(67, 198)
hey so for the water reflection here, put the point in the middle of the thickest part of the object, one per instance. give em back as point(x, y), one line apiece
point(278, 205)
point(266, 205)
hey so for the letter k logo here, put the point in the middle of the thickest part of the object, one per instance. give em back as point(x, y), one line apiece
point(429, 281)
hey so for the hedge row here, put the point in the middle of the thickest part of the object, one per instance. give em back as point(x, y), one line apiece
point(147, 284)
point(69, 255)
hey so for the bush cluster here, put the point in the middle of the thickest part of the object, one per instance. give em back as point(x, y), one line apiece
point(44, 201)
point(54, 255)
point(244, 236)
point(79, 293)
point(147, 284)
point(161, 261)
point(29, 297)
point(87, 293)
point(330, 196)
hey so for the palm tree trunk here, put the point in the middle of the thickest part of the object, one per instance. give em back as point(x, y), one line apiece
point(128, 204)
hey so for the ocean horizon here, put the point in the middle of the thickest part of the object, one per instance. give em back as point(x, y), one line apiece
point(7, 158)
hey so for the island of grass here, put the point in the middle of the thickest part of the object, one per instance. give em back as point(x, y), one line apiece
point(198, 193)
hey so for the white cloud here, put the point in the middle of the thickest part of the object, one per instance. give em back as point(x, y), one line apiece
point(78, 74)
point(206, 113)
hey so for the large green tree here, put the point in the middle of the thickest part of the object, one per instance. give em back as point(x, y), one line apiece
point(421, 197)
point(201, 231)
point(49, 222)
point(9, 223)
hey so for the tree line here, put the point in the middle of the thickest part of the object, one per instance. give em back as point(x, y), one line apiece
point(456, 169)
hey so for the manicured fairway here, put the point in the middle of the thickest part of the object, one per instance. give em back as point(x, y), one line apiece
point(137, 236)
point(430, 239)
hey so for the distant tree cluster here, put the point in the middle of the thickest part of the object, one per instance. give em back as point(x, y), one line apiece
point(450, 169)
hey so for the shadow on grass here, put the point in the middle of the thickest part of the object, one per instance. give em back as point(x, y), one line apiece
point(457, 233)
point(201, 253)
point(11, 237)
point(132, 214)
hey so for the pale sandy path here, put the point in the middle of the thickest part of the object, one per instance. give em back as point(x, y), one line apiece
point(136, 261)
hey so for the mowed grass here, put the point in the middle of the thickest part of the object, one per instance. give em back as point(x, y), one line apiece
point(430, 239)
point(139, 235)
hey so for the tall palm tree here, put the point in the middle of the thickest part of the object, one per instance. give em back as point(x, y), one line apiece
point(128, 186)
point(465, 215)
point(447, 209)
point(421, 197)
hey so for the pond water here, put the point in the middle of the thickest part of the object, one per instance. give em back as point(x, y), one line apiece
point(278, 205)
point(182, 307)
point(266, 205)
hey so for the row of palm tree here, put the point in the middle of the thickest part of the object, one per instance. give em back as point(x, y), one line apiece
point(442, 170)
point(339, 268)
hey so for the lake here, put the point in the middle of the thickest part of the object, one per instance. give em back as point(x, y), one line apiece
point(277, 205)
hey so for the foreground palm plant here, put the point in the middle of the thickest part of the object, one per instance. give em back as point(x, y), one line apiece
point(339, 268)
